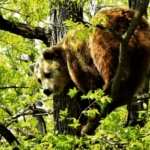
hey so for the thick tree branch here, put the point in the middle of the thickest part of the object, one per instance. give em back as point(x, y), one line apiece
point(8, 135)
point(123, 48)
point(23, 30)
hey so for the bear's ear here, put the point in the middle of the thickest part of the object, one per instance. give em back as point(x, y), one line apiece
point(48, 55)
point(31, 67)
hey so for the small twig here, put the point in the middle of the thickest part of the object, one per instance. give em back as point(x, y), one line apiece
point(8, 87)
point(18, 12)
point(35, 111)
point(7, 110)
point(87, 108)
point(144, 135)
point(114, 143)
point(30, 113)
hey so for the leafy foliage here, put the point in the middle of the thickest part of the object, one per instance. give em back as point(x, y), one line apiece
point(72, 92)
point(19, 90)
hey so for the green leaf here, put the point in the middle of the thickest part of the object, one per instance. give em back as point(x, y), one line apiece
point(63, 114)
point(72, 92)
point(144, 105)
point(75, 123)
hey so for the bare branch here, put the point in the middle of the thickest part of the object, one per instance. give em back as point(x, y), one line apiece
point(14, 11)
point(32, 109)
point(30, 113)
point(11, 87)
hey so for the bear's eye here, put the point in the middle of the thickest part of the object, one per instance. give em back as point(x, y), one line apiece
point(47, 75)
point(39, 80)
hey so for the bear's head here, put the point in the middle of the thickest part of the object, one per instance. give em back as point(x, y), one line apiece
point(50, 70)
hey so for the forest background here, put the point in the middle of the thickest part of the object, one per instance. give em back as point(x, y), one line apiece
point(27, 116)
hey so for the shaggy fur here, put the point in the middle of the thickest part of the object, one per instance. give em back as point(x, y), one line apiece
point(49, 73)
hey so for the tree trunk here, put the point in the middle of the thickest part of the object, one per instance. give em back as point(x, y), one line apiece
point(63, 101)
point(75, 107)
point(133, 109)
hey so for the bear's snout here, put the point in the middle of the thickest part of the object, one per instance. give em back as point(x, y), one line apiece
point(47, 92)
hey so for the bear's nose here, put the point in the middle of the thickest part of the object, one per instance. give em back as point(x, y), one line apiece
point(47, 92)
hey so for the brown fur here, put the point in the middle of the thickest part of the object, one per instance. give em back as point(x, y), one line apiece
point(57, 75)
point(105, 51)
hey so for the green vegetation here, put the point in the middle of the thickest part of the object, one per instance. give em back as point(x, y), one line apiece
point(19, 91)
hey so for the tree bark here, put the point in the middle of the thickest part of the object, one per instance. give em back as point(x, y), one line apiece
point(23, 30)
point(10, 138)
point(75, 107)
point(133, 109)
point(134, 4)
point(63, 101)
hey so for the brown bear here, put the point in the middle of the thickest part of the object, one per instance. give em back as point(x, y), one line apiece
point(93, 63)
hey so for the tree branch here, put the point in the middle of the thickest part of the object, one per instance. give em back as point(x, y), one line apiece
point(10, 138)
point(32, 109)
point(14, 11)
point(23, 30)
point(8, 87)
point(123, 48)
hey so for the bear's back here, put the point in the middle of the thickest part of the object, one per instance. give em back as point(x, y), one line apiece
point(119, 19)
point(105, 51)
